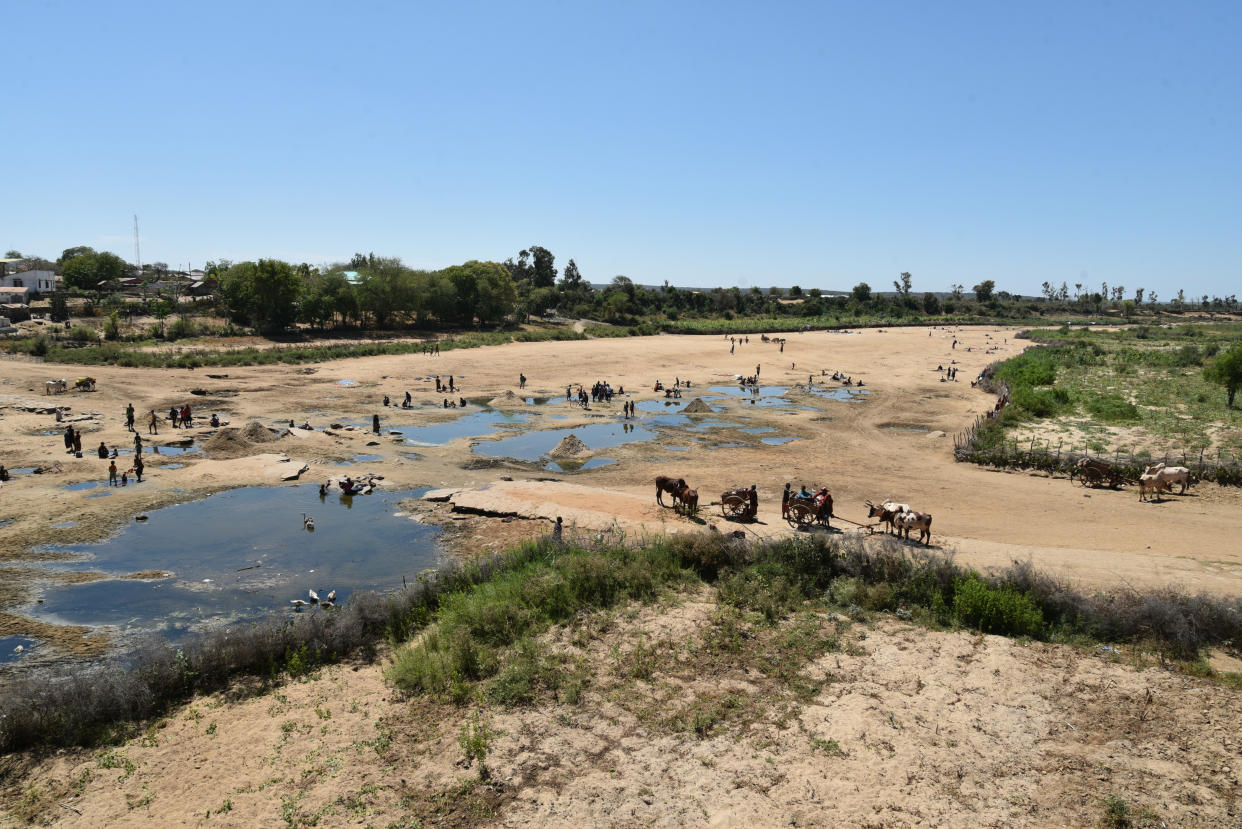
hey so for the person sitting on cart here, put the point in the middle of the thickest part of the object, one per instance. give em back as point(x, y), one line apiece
point(752, 502)
point(803, 494)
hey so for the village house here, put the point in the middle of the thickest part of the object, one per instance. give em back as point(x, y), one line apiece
point(17, 288)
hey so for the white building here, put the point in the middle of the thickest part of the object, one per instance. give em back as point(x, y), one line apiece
point(35, 282)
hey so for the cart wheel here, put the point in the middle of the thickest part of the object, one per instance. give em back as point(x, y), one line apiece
point(800, 515)
point(1076, 477)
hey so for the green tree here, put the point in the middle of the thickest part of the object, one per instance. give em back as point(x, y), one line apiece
point(1226, 370)
point(862, 292)
point(263, 294)
point(59, 310)
point(984, 290)
point(903, 287)
point(796, 290)
point(482, 289)
point(543, 274)
point(87, 269)
point(931, 304)
point(386, 289)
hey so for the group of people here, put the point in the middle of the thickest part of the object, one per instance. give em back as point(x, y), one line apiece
point(450, 404)
point(601, 392)
point(789, 496)
point(444, 385)
point(950, 373)
point(180, 417)
point(407, 403)
point(137, 469)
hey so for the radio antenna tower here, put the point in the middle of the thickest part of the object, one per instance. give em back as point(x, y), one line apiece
point(137, 250)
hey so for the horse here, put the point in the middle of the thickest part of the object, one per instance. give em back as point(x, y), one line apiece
point(672, 486)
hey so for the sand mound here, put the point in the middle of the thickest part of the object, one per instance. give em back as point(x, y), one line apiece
point(697, 406)
point(508, 398)
point(256, 432)
point(228, 443)
point(570, 447)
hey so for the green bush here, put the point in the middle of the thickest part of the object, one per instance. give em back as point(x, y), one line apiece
point(83, 334)
point(999, 610)
point(182, 328)
point(1112, 408)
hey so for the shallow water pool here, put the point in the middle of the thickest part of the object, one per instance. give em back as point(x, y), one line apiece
point(241, 555)
point(10, 644)
point(570, 466)
point(475, 424)
point(532, 445)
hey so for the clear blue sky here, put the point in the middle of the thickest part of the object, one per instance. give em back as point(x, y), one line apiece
point(817, 143)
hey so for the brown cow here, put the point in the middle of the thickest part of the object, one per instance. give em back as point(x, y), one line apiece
point(670, 485)
point(689, 500)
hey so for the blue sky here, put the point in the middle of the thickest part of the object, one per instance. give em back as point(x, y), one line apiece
point(818, 144)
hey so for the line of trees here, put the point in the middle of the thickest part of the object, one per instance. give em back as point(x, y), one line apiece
point(368, 290)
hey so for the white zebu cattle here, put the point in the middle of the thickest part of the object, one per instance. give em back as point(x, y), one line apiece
point(56, 386)
point(1170, 475)
point(1150, 482)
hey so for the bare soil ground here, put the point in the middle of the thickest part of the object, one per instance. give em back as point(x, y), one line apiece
point(933, 728)
point(686, 720)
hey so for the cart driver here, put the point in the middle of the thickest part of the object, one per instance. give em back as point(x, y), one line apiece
point(752, 498)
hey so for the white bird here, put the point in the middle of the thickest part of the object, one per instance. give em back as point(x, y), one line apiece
point(327, 604)
point(308, 522)
point(314, 597)
point(331, 596)
point(298, 604)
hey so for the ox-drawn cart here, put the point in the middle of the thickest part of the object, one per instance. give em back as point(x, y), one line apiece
point(1095, 472)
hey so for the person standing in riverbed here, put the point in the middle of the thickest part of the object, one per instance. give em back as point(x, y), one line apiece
point(129, 417)
point(68, 438)
point(77, 443)
point(153, 428)
point(375, 423)
point(138, 467)
point(112, 473)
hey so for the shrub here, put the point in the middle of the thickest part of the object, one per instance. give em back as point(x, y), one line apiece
point(182, 328)
point(1112, 408)
point(83, 334)
point(1001, 610)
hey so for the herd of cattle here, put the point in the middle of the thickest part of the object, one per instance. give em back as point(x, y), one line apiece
point(62, 385)
point(1161, 477)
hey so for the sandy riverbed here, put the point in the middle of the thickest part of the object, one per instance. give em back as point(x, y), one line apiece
point(933, 728)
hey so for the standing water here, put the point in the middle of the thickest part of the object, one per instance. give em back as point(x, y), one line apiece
point(241, 555)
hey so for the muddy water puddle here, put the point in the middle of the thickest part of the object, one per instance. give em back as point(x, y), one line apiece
point(565, 465)
point(767, 396)
point(533, 445)
point(240, 555)
point(473, 425)
point(9, 646)
point(846, 393)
